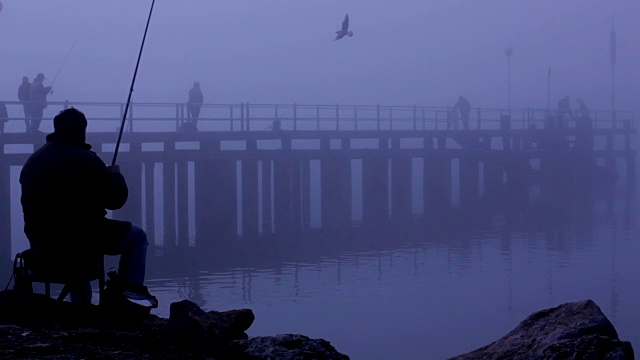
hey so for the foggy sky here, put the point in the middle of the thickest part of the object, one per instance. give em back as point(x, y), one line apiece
point(282, 51)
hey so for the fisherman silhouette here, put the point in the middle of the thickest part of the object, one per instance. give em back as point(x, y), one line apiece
point(66, 189)
point(39, 94)
point(344, 31)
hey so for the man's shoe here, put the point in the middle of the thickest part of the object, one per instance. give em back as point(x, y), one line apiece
point(140, 295)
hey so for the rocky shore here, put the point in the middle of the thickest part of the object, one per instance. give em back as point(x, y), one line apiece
point(36, 327)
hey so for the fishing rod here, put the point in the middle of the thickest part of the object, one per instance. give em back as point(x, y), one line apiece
point(63, 62)
point(133, 81)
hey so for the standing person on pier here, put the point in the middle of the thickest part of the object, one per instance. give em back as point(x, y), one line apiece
point(39, 94)
point(4, 116)
point(66, 189)
point(583, 109)
point(194, 104)
point(464, 107)
point(24, 95)
point(564, 112)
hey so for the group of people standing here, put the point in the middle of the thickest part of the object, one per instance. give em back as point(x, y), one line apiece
point(33, 96)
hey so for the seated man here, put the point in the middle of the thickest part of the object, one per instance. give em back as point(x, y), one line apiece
point(66, 189)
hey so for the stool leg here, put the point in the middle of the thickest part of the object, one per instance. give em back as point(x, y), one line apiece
point(65, 291)
point(101, 280)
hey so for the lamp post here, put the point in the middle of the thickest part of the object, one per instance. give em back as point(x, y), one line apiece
point(508, 52)
point(549, 91)
point(613, 59)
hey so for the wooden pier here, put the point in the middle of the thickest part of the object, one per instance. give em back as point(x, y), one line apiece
point(216, 184)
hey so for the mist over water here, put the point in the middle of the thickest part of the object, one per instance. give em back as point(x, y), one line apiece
point(418, 287)
point(417, 291)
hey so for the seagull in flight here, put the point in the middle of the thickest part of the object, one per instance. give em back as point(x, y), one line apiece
point(345, 29)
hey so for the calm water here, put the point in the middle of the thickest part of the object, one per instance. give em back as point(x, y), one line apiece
point(422, 291)
point(419, 289)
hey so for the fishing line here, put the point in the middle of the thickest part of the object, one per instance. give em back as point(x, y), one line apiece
point(62, 65)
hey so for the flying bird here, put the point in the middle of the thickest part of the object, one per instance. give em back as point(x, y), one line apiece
point(345, 29)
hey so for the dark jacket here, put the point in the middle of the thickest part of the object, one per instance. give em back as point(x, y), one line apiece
point(462, 104)
point(195, 96)
point(39, 94)
point(24, 91)
point(65, 191)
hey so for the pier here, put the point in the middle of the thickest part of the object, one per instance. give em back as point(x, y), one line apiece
point(270, 170)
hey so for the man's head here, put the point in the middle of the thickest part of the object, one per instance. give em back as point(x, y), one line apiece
point(25, 79)
point(71, 124)
point(196, 84)
point(40, 77)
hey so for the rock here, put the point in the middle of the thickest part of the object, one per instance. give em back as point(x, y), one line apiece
point(290, 347)
point(34, 326)
point(187, 319)
point(577, 330)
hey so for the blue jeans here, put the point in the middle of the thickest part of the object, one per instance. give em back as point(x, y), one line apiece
point(131, 268)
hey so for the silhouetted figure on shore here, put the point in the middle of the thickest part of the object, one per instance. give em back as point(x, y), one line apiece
point(66, 189)
point(24, 95)
point(564, 112)
point(4, 116)
point(464, 107)
point(39, 94)
point(194, 104)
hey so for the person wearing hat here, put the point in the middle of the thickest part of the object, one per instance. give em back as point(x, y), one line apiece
point(66, 190)
point(39, 94)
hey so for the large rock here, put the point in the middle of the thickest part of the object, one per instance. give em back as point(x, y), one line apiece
point(577, 330)
point(290, 347)
point(187, 319)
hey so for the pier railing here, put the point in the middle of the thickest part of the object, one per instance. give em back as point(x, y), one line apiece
point(167, 117)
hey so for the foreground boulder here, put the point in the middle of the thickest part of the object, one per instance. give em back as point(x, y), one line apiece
point(34, 326)
point(290, 347)
point(577, 330)
point(187, 319)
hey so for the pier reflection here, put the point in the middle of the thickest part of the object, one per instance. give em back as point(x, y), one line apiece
point(514, 240)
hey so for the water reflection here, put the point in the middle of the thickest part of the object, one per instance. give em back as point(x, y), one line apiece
point(413, 285)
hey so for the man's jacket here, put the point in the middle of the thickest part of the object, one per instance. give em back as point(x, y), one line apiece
point(195, 96)
point(24, 91)
point(39, 94)
point(66, 189)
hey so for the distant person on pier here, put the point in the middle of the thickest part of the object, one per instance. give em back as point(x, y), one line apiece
point(39, 94)
point(24, 95)
point(583, 110)
point(452, 119)
point(193, 105)
point(564, 112)
point(66, 189)
point(4, 116)
point(464, 107)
